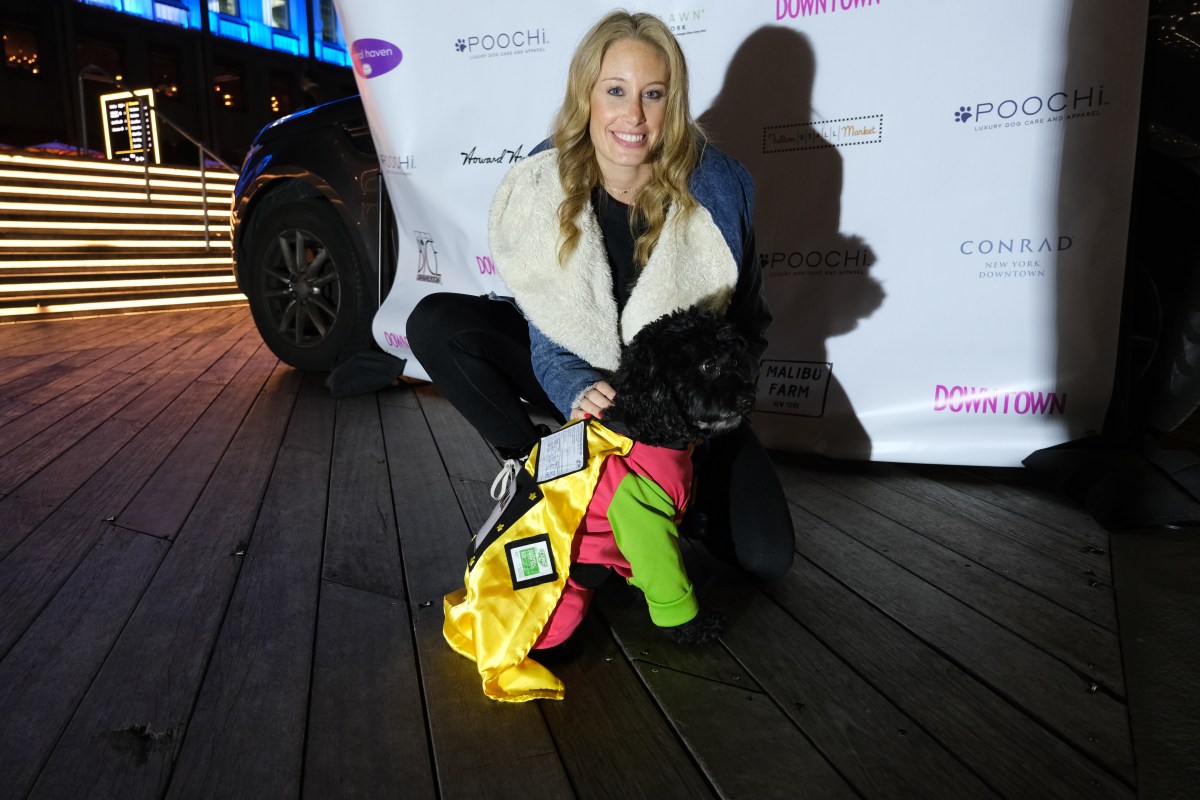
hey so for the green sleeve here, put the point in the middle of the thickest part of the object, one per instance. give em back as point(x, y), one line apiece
point(641, 514)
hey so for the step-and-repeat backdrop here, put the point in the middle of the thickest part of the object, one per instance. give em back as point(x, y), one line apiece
point(942, 208)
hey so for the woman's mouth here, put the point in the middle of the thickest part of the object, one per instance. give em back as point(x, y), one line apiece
point(629, 139)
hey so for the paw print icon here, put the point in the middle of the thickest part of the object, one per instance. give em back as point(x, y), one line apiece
point(460, 45)
point(963, 114)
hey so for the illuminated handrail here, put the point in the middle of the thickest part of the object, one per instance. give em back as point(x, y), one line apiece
point(204, 151)
point(93, 72)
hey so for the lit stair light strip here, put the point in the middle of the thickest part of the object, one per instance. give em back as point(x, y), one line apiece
point(102, 195)
point(99, 262)
point(148, 283)
point(69, 208)
point(60, 308)
point(164, 244)
point(120, 227)
point(108, 180)
point(216, 173)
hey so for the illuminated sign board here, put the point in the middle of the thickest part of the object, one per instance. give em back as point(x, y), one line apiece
point(130, 130)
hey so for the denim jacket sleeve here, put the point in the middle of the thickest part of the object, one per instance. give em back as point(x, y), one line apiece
point(563, 375)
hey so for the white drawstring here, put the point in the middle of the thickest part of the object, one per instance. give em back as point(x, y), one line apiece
point(503, 478)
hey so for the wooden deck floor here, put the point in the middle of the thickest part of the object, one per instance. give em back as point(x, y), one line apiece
point(218, 581)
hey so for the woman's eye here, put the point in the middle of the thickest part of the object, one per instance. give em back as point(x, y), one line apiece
point(653, 94)
point(616, 91)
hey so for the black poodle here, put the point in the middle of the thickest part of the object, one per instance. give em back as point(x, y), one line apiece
point(685, 377)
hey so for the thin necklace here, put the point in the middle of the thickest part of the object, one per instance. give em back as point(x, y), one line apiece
point(614, 190)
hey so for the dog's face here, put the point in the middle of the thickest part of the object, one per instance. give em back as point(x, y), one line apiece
point(685, 376)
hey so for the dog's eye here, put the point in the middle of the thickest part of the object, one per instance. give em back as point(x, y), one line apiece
point(709, 368)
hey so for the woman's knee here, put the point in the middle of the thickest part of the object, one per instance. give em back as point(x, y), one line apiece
point(435, 320)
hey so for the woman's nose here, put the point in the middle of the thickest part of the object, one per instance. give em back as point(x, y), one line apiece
point(634, 110)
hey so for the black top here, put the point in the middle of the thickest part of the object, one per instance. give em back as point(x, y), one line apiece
point(613, 216)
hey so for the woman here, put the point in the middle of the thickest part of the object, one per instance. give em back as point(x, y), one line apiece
point(628, 216)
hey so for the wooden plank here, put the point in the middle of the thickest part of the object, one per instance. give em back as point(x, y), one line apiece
point(965, 565)
point(44, 677)
point(460, 447)
point(39, 436)
point(613, 739)
point(366, 733)
point(881, 751)
point(1061, 699)
point(1083, 590)
point(163, 503)
point(36, 498)
point(979, 726)
point(754, 751)
point(361, 546)
point(1016, 491)
point(126, 733)
point(258, 677)
point(1069, 547)
point(481, 748)
point(34, 569)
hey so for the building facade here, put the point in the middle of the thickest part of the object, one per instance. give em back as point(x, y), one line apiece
point(220, 69)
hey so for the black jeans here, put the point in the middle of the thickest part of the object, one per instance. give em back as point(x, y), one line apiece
point(477, 351)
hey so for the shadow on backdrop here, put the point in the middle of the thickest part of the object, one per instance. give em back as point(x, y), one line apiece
point(817, 279)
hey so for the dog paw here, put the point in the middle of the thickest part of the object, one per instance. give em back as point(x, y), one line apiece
point(707, 626)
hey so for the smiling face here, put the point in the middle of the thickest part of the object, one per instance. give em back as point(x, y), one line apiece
point(628, 105)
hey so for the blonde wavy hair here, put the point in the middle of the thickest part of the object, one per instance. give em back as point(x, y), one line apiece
point(673, 160)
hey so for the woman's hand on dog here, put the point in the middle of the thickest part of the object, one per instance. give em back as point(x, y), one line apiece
point(594, 401)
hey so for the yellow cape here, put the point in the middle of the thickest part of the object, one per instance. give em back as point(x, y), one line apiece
point(516, 575)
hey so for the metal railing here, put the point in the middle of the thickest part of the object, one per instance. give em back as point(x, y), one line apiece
point(95, 73)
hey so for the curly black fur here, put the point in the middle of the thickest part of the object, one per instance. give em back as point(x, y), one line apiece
point(685, 377)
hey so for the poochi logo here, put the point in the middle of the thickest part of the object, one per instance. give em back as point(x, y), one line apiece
point(374, 57)
point(491, 45)
point(1035, 109)
point(426, 271)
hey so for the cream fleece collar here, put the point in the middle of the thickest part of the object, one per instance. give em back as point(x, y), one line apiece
point(573, 303)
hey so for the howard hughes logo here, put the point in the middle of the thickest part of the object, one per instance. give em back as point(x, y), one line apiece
point(830, 133)
point(1069, 104)
point(427, 260)
point(508, 43)
point(793, 387)
point(504, 156)
point(374, 57)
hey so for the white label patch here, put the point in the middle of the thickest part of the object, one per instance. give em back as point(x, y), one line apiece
point(531, 561)
point(562, 452)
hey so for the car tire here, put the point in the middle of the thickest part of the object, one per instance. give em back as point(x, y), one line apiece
point(307, 286)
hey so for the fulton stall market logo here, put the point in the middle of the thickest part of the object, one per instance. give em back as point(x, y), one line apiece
point(1034, 110)
point(374, 57)
point(503, 43)
point(842, 132)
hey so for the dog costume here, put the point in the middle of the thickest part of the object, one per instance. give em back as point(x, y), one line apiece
point(620, 510)
point(590, 494)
